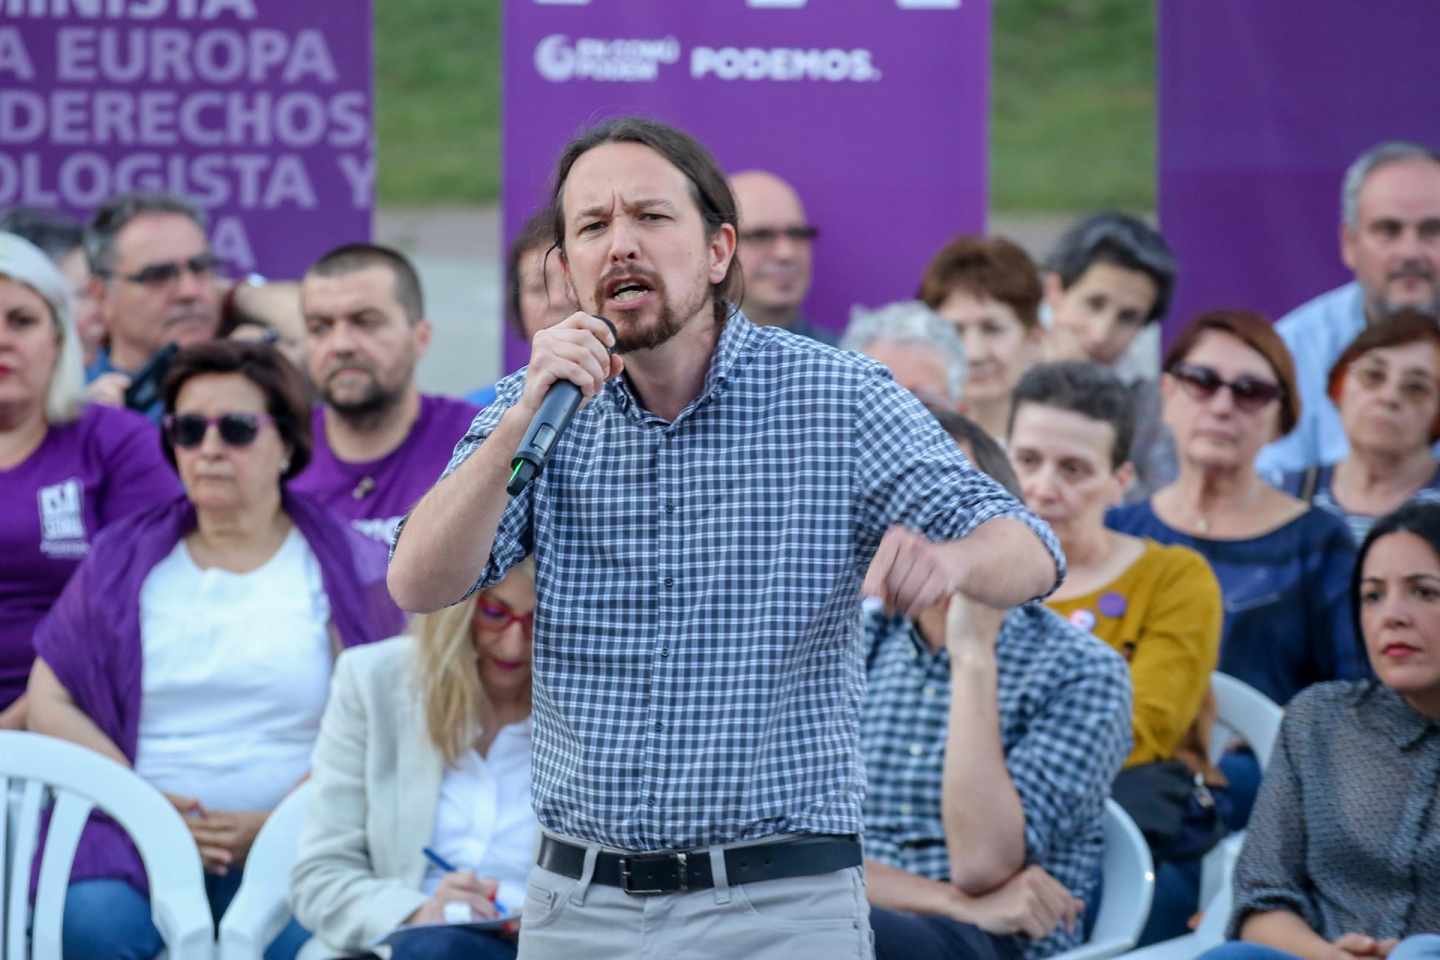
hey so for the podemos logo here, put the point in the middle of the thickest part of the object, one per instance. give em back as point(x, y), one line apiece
point(588, 58)
point(756, 63)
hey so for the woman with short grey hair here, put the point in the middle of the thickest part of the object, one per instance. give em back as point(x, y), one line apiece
point(67, 468)
point(921, 349)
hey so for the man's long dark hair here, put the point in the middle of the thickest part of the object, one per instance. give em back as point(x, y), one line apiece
point(708, 186)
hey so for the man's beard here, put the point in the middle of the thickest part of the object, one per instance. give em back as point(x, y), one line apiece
point(671, 319)
point(367, 409)
point(1386, 308)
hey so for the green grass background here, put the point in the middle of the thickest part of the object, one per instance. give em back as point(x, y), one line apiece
point(1072, 124)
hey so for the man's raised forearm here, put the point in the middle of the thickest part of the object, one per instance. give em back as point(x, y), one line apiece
point(446, 540)
point(1003, 563)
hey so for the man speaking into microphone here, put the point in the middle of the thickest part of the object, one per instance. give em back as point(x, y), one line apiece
point(701, 534)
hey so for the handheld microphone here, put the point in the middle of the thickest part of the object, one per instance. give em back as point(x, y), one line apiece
point(555, 413)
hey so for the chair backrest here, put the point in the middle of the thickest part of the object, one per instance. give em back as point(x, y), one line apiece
point(262, 904)
point(1243, 711)
point(38, 772)
point(1129, 875)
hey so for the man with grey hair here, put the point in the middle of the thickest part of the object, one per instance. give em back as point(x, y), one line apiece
point(923, 352)
point(1390, 240)
point(153, 278)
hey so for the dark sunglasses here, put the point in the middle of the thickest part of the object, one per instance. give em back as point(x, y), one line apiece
point(202, 266)
point(1249, 393)
point(236, 429)
point(765, 236)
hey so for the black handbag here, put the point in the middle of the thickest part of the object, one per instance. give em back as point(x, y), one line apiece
point(1173, 808)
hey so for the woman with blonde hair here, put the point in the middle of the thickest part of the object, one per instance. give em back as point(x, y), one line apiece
point(422, 785)
point(67, 468)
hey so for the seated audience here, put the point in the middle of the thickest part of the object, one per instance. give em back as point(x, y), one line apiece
point(379, 443)
point(1339, 860)
point(68, 469)
point(62, 239)
point(194, 643)
point(425, 744)
point(1108, 278)
point(1387, 387)
point(990, 290)
point(1157, 605)
point(922, 352)
point(268, 311)
point(776, 252)
point(155, 282)
point(1390, 240)
point(990, 741)
point(1228, 389)
point(538, 293)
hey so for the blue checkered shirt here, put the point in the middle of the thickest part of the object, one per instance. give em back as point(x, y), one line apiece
point(1064, 700)
point(698, 670)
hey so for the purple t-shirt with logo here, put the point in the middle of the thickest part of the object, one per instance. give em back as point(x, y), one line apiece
point(84, 475)
point(375, 495)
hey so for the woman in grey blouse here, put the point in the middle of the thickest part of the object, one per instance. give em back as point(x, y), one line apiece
point(1342, 859)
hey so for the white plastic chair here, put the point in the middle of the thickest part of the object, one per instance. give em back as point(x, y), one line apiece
point(1210, 933)
point(33, 770)
point(1244, 712)
point(261, 906)
point(1128, 888)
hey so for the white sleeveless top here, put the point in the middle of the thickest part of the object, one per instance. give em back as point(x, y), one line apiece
point(235, 675)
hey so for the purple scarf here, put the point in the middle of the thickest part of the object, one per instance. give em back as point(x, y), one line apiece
point(91, 637)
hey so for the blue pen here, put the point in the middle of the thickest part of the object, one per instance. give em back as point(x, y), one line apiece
point(448, 867)
point(439, 861)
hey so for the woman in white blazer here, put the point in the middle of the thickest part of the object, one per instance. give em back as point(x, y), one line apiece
point(424, 749)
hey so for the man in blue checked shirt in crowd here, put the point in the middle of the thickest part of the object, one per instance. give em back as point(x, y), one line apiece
point(701, 534)
point(990, 742)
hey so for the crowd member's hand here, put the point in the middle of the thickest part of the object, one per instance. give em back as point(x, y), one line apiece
point(223, 837)
point(971, 626)
point(1359, 945)
point(909, 574)
point(108, 389)
point(575, 349)
point(462, 886)
point(1031, 903)
point(13, 716)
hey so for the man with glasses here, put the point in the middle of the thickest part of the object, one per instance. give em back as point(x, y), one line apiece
point(775, 252)
point(154, 282)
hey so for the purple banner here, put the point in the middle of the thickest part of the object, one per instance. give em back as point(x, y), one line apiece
point(876, 114)
point(1262, 107)
point(258, 110)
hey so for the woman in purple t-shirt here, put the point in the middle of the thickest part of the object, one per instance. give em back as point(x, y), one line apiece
point(67, 468)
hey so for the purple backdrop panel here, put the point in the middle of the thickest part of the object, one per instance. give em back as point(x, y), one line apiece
point(259, 110)
point(876, 114)
point(1262, 106)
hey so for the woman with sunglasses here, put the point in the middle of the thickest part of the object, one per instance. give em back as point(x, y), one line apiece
point(195, 642)
point(1339, 861)
point(1386, 386)
point(67, 468)
point(421, 804)
point(1229, 389)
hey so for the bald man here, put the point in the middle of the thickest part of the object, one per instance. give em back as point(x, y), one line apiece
point(775, 251)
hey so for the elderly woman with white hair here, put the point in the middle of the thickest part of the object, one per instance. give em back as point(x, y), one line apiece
point(921, 349)
point(67, 468)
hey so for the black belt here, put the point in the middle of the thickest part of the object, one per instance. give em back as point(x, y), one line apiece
point(680, 871)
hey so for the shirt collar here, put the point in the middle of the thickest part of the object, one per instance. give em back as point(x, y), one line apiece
point(1389, 714)
point(735, 339)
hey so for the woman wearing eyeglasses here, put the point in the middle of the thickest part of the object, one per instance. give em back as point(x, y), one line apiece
point(67, 468)
point(1283, 565)
point(1387, 387)
point(421, 803)
point(195, 642)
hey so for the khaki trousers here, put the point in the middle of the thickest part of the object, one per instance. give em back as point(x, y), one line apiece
point(825, 917)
